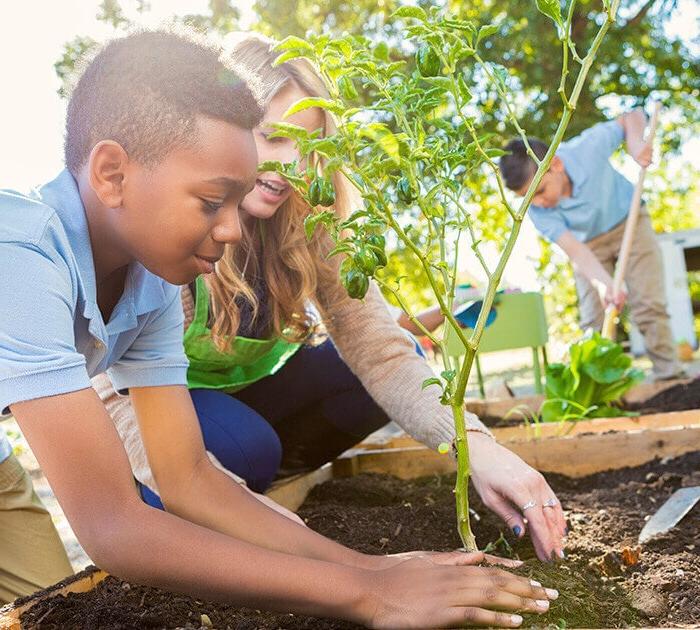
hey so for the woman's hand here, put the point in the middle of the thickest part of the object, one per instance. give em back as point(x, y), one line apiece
point(506, 484)
point(419, 593)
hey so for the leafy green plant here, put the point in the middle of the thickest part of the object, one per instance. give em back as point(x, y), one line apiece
point(598, 374)
point(417, 159)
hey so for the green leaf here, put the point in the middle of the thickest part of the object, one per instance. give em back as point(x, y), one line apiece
point(384, 138)
point(271, 165)
point(552, 9)
point(381, 51)
point(464, 91)
point(326, 217)
point(313, 101)
point(342, 248)
point(486, 31)
point(293, 43)
point(289, 130)
point(289, 55)
point(448, 375)
point(410, 12)
point(434, 380)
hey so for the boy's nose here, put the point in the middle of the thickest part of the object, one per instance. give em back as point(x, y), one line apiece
point(228, 229)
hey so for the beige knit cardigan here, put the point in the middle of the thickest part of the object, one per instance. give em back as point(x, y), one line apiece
point(370, 342)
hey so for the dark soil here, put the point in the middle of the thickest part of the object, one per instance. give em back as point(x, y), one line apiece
point(681, 397)
point(676, 398)
point(606, 582)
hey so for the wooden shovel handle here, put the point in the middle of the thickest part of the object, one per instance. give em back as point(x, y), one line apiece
point(628, 236)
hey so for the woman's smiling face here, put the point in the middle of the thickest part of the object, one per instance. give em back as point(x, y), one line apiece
point(271, 189)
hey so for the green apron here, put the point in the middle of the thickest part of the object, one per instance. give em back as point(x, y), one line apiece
point(247, 360)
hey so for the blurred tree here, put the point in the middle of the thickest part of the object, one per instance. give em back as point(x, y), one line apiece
point(633, 63)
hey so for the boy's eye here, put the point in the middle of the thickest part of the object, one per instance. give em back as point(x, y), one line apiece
point(212, 206)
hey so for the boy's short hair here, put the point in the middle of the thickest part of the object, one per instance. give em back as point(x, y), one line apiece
point(145, 92)
point(518, 167)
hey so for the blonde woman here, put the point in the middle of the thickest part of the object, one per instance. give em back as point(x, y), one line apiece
point(270, 402)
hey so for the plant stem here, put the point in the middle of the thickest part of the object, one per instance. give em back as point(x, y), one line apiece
point(462, 483)
point(457, 399)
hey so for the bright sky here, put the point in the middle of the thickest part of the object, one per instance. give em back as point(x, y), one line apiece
point(32, 114)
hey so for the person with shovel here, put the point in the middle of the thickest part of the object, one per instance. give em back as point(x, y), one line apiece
point(582, 205)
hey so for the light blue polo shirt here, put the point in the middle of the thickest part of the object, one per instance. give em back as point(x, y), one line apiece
point(600, 195)
point(52, 335)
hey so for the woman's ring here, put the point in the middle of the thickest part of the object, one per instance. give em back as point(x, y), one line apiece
point(528, 505)
point(550, 503)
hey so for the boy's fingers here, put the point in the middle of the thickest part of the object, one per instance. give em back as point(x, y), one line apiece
point(494, 599)
point(516, 585)
point(504, 562)
point(471, 616)
point(458, 558)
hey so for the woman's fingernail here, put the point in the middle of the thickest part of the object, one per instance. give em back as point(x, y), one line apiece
point(562, 555)
point(542, 604)
point(552, 593)
point(517, 530)
point(535, 583)
point(516, 619)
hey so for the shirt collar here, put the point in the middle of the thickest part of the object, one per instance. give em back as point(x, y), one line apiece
point(143, 291)
point(577, 174)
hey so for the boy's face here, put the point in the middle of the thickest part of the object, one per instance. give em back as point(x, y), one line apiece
point(553, 186)
point(177, 216)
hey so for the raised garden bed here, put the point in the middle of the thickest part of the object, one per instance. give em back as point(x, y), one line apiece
point(603, 582)
point(645, 399)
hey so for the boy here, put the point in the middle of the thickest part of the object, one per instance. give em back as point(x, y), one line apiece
point(159, 154)
point(581, 205)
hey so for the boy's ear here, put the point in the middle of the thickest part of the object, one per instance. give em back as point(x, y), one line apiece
point(556, 165)
point(106, 171)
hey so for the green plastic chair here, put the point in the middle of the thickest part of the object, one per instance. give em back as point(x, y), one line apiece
point(520, 323)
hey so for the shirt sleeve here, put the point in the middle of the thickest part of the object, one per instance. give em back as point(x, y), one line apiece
point(549, 222)
point(38, 357)
point(157, 356)
point(600, 141)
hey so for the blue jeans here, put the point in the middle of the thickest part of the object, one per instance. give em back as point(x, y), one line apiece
point(306, 414)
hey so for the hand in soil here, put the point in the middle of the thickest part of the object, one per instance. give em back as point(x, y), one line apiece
point(417, 594)
point(511, 484)
point(452, 558)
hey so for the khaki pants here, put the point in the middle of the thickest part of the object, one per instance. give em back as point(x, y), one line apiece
point(31, 554)
point(646, 294)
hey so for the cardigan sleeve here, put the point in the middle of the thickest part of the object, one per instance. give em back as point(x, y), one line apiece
point(383, 356)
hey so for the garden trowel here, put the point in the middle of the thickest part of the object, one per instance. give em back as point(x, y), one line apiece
point(670, 513)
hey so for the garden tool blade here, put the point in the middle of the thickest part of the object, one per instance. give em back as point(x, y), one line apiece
point(670, 513)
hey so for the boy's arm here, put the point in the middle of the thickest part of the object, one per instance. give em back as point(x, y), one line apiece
point(193, 488)
point(585, 262)
point(634, 123)
point(82, 457)
point(80, 453)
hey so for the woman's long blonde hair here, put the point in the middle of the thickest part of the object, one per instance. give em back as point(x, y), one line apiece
point(276, 249)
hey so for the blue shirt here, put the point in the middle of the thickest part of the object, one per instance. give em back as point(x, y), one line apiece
point(600, 195)
point(52, 335)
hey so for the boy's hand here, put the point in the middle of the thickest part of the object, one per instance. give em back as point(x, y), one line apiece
point(642, 152)
point(616, 299)
point(451, 558)
point(414, 594)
